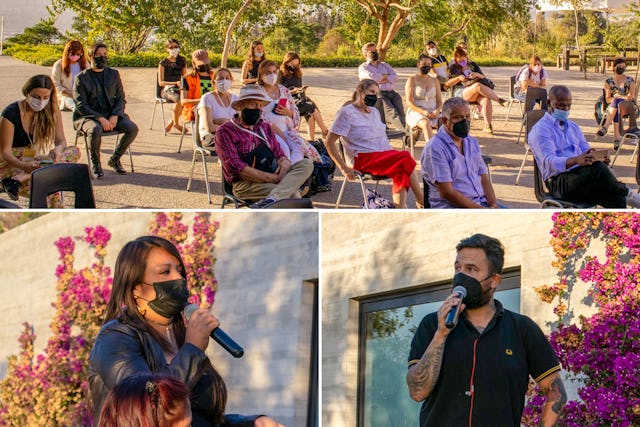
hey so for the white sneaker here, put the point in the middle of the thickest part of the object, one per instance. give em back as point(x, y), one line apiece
point(633, 199)
point(476, 116)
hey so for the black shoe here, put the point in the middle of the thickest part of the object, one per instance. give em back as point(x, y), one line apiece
point(11, 187)
point(503, 102)
point(97, 171)
point(116, 166)
point(264, 203)
point(602, 131)
point(616, 145)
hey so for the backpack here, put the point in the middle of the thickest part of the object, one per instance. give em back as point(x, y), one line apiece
point(322, 171)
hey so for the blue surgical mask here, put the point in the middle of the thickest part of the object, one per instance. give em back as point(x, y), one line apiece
point(561, 115)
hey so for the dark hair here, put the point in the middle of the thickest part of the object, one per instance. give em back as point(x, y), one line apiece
point(252, 48)
point(491, 246)
point(423, 56)
point(619, 61)
point(288, 57)
point(94, 48)
point(72, 46)
point(431, 42)
point(169, 41)
point(141, 400)
point(362, 86)
point(460, 53)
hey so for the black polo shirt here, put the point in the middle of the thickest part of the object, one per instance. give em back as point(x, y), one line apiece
point(511, 348)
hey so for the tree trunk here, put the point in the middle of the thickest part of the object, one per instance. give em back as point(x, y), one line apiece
point(232, 26)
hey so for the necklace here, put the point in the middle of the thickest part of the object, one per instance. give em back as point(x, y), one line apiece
point(270, 92)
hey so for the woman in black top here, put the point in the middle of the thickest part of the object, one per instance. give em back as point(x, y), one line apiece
point(291, 78)
point(31, 135)
point(250, 66)
point(170, 72)
point(144, 332)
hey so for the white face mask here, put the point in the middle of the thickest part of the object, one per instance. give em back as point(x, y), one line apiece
point(223, 85)
point(174, 52)
point(37, 104)
point(432, 51)
point(258, 54)
point(271, 78)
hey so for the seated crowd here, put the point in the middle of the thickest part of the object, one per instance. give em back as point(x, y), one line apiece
point(263, 155)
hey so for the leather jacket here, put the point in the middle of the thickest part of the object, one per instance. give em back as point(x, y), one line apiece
point(122, 350)
point(93, 99)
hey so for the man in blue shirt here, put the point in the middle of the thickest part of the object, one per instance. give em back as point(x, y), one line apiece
point(569, 167)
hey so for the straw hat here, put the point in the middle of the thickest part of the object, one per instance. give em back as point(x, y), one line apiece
point(253, 92)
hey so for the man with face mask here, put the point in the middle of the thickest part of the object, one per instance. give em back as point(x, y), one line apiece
point(567, 162)
point(452, 164)
point(252, 160)
point(390, 102)
point(100, 103)
point(477, 372)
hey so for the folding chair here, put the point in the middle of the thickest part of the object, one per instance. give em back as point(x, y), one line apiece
point(512, 98)
point(425, 193)
point(534, 95)
point(546, 199)
point(199, 150)
point(73, 177)
point(159, 100)
point(184, 129)
point(531, 118)
point(228, 196)
point(628, 110)
point(81, 133)
point(603, 110)
point(360, 177)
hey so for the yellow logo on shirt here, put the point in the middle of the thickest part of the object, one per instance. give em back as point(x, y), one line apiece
point(509, 352)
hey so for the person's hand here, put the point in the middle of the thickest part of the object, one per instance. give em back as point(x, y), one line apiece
point(451, 301)
point(30, 166)
point(56, 153)
point(106, 124)
point(266, 422)
point(283, 168)
point(350, 173)
point(283, 111)
point(585, 158)
point(114, 121)
point(199, 328)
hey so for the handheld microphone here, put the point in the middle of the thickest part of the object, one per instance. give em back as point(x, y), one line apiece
point(218, 335)
point(452, 318)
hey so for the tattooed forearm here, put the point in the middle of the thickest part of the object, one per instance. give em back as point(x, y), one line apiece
point(422, 376)
point(556, 399)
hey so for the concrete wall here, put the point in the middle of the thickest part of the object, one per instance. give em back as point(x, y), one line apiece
point(369, 253)
point(266, 267)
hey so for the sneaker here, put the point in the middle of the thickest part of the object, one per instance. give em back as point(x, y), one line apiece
point(503, 102)
point(264, 203)
point(476, 115)
point(633, 199)
point(488, 129)
point(602, 131)
point(11, 187)
point(305, 191)
point(97, 171)
point(116, 166)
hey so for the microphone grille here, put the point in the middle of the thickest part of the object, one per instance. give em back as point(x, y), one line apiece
point(189, 310)
point(458, 289)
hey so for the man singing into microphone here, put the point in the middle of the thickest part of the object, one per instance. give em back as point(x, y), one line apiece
point(477, 372)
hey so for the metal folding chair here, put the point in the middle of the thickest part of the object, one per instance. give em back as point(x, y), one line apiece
point(199, 150)
point(546, 199)
point(531, 118)
point(534, 95)
point(81, 133)
point(159, 100)
point(629, 111)
point(73, 177)
point(512, 98)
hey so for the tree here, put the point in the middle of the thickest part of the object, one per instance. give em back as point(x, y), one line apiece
point(44, 32)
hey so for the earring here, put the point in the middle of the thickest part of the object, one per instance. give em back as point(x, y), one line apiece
point(142, 311)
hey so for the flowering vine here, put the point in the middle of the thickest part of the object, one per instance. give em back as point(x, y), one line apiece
point(601, 351)
point(49, 389)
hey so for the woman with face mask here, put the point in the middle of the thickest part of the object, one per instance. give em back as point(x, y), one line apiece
point(31, 136)
point(255, 56)
point(531, 75)
point(64, 73)
point(291, 78)
point(215, 107)
point(367, 147)
point(282, 112)
point(170, 71)
point(617, 89)
point(468, 82)
point(424, 100)
point(144, 332)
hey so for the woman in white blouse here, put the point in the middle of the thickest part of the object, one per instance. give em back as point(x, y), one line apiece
point(215, 108)
point(367, 147)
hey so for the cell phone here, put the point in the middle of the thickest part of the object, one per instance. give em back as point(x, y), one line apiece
point(600, 155)
point(282, 103)
point(46, 161)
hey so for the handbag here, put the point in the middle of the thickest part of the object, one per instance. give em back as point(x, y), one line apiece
point(261, 158)
point(376, 201)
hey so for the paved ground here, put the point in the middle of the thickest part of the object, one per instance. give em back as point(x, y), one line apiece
point(161, 173)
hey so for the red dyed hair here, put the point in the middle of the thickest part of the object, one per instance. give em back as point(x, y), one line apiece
point(73, 46)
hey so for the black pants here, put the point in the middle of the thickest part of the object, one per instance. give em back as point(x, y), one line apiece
point(391, 108)
point(94, 132)
point(594, 184)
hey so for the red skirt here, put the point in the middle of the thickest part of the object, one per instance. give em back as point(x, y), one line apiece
point(397, 165)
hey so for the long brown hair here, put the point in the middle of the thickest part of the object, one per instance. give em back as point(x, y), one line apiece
point(284, 71)
point(129, 271)
point(45, 122)
point(252, 49)
point(262, 69)
point(73, 46)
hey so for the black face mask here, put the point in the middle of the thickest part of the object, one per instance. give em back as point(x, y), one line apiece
point(292, 69)
point(461, 129)
point(375, 56)
point(425, 69)
point(370, 100)
point(99, 62)
point(171, 297)
point(476, 296)
point(250, 116)
point(620, 70)
point(203, 68)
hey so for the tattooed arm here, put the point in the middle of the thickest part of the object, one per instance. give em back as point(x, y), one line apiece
point(422, 376)
point(553, 388)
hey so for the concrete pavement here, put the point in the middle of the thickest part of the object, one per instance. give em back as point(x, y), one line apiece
point(161, 174)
